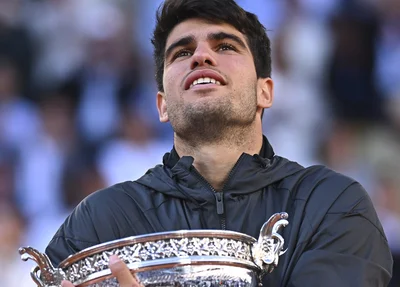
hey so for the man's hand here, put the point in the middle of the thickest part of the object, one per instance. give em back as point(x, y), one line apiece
point(120, 271)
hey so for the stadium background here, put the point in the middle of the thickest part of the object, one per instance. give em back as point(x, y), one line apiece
point(77, 104)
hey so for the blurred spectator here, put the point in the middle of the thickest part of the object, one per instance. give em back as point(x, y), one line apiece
point(42, 165)
point(131, 154)
point(107, 82)
point(108, 78)
point(8, 162)
point(49, 151)
point(13, 272)
point(81, 177)
point(388, 52)
point(19, 120)
point(353, 91)
point(54, 26)
point(343, 151)
point(382, 150)
point(297, 75)
point(16, 43)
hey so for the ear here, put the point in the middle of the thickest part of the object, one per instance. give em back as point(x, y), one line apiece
point(162, 107)
point(265, 93)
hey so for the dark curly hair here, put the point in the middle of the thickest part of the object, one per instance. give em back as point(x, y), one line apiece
point(173, 12)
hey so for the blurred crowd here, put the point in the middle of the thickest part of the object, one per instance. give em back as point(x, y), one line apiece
point(77, 104)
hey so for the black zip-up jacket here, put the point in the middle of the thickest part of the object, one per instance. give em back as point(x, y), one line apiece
point(334, 237)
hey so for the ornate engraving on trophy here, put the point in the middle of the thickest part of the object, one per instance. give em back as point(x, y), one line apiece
point(178, 258)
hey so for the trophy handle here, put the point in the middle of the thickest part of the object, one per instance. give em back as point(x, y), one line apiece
point(35, 275)
point(268, 248)
point(44, 274)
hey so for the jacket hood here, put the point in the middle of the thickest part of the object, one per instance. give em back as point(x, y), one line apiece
point(178, 177)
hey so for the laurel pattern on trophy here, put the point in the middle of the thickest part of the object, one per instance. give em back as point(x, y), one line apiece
point(160, 249)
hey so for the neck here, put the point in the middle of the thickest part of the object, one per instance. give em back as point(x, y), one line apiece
point(214, 161)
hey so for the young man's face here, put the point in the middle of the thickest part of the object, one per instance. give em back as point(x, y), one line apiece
point(209, 73)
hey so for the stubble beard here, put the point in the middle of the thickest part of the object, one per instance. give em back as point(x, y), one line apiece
point(213, 122)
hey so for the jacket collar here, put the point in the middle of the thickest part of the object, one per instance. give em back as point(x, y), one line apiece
point(177, 177)
point(172, 159)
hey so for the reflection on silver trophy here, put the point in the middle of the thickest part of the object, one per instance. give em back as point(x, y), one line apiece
point(180, 258)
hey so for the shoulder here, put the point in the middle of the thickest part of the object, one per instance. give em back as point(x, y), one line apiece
point(131, 197)
point(325, 191)
point(321, 179)
point(103, 210)
point(320, 174)
point(319, 186)
point(111, 192)
point(120, 194)
point(311, 178)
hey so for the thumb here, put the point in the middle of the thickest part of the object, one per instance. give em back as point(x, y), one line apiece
point(122, 273)
point(66, 284)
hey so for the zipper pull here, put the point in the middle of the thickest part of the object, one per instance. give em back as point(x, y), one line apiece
point(219, 196)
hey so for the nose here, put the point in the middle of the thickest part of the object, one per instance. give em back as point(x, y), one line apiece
point(203, 56)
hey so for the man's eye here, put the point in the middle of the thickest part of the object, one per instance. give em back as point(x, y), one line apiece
point(226, 47)
point(182, 53)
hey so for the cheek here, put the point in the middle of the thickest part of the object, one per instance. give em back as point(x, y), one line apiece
point(244, 69)
point(166, 81)
point(173, 76)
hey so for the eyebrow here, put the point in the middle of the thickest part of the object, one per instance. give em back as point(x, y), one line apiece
point(223, 36)
point(190, 39)
point(179, 43)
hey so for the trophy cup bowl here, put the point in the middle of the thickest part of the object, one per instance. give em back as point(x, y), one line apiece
point(178, 258)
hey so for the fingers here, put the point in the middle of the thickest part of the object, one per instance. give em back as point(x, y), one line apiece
point(66, 284)
point(122, 272)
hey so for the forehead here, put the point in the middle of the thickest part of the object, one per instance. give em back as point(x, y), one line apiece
point(200, 28)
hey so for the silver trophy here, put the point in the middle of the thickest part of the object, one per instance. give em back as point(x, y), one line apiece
point(186, 258)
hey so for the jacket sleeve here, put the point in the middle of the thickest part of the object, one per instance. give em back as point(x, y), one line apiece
point(348, 248)
point(75, 234)
point(104, 215)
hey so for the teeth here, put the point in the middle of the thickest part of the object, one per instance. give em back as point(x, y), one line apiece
point(205, 80)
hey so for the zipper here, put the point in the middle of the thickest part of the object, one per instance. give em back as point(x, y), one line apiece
point(219, 195)
point(231, 173)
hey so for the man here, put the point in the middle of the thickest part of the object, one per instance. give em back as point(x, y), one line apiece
point(213, 75)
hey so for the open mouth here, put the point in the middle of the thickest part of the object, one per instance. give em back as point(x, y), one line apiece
point(205, 81)
point(204, 77)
